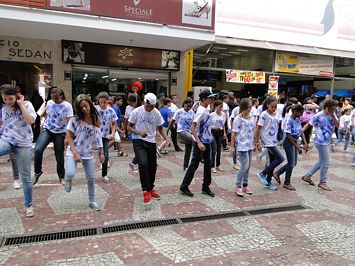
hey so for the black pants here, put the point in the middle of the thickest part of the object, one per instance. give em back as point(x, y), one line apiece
point(145, 153)
point(105, 143)
point(197, 154)
point(36, 128)
point(217, 147)
point(188, 140)
point(174, 137)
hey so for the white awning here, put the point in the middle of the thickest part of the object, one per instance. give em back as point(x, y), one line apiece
point(284, 47)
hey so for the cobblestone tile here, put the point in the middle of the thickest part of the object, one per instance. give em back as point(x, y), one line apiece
point(332, 237)
point(5, 254)
point(10, 222)
point(76, 201)
point(102, 259)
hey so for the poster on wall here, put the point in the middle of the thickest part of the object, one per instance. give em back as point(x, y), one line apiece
point(273, 85)
point(72, 4)
point(248, 77)
point(198, 12)
point(306, 65)
point(170, 60)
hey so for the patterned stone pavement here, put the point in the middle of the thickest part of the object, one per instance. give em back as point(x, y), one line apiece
point(324, 234)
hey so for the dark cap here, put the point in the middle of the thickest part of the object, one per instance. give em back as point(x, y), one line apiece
point(206, 94)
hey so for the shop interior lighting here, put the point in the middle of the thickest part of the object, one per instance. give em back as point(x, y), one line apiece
point(232, 52)
point(242, 50)
point(114, 79)
point(105, 77)
point(220, 48)
point(226, 54)
point(156, 79)
point(39, 69)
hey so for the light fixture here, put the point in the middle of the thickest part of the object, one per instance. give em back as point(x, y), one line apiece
point(242, 50)
point(220, 48)
point(105, 77)
point(114, 79)
point(232, 52)
point(226, 54)
point(139, 78)
point(156, 79)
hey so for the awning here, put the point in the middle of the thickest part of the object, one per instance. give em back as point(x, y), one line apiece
point(284, 47)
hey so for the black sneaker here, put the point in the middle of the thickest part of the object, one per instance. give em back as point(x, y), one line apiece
point(36, 178)
point(186, 192)
point(208, 192)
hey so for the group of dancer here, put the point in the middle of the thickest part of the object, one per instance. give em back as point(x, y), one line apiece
point(75, 137)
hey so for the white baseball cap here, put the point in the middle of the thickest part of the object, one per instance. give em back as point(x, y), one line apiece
point(150, 98)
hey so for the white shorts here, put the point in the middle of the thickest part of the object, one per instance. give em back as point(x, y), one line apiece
point(117, 137)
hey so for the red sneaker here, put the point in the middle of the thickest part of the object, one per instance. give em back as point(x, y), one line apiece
point(154, 194)
point(146, 197)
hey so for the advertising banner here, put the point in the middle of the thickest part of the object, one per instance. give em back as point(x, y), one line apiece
point(75, 52)
point(239, 76)
point(273, 85)
point(305, 65)
point(187, 13)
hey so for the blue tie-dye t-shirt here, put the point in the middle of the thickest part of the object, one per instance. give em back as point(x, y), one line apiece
point(269, 127)
point(184, 120)
point(323, 126)
point(245, 129)
point(293, 127)
point(107, 117)
point(203, 128)
point(85, 138)
point(1, 128)
point(15, 128)
point(57, 115)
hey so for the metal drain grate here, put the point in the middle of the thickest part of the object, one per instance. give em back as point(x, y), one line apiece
point(132, 226)
point(11, 241)
point(212, 217)
point(276, 209)
point(49, 237)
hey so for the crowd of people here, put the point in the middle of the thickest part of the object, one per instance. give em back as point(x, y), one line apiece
point(264, 126)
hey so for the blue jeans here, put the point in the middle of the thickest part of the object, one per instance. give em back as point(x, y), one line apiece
point(245, 162)
point(235, 154)
point(23, 157)
point(353, 158)
point(322, 164)
point(14, 165)
point(89, 168)
point(341, 135)
point(291, 154)
point(45, 137)
point(276, 159)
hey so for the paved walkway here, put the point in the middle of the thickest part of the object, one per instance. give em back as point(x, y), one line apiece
point(321, 235)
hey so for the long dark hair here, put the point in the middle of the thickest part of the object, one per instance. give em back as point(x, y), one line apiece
point(9, 90)
point(268, 101)
point(94, 115)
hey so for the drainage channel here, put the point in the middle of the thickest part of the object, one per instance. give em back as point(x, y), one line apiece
point(36, 238)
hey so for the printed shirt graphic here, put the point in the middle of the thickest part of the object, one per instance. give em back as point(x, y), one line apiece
point(245, 129)
point(323, 126)
point(203, 128)
point(218, 121)
point(293, 127)
point(85, 138)
point(166, 114)
point(128, 112)
point(57, 114)
point(269, 127)
point(15, 128)
point(184, 120)
point(146, 122)
point(343, 119)
point(107, 117)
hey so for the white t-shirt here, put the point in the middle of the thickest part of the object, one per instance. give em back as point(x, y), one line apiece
point(269, 127)
point(218, 121)
point(147, 122)
point(57, 114)
point(225, 107)
point(184, 120)
point(245, 129)
point(254, 112)
point(343, 119)
point(173, 108)
point(279, 109)
point(284, 119)
point(353, 117)
point(85, 138)
point(107, 117)
point(259, 110)
point(16, 130)
point(203, 128)
point(235, 112)
point(128, 112)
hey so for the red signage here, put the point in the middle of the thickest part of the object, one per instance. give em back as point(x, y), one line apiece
point(187, 13)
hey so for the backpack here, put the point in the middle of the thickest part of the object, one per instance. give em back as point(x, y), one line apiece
point(306, 117)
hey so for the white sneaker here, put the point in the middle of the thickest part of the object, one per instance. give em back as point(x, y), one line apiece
point(213, 170)
point(219, 168)
point(236, 166)
point(105, 179)
point(16, 184)
point(30, 212)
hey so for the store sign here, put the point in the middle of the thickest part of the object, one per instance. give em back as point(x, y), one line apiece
point(238, 76)
point(14, 49)
point(119, 56)
point(187, 13)
point(305, 65)
point(273, 85)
